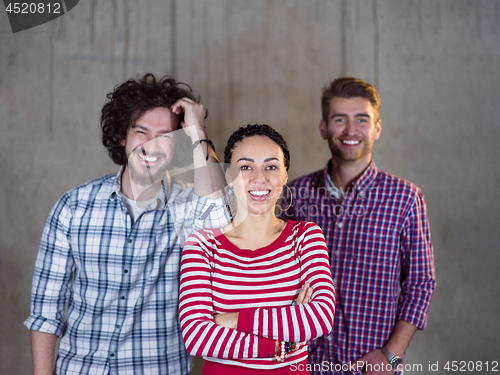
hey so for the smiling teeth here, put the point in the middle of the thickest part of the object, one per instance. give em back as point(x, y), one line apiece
point(148, 158)
point(350, 142)
point(260, 192)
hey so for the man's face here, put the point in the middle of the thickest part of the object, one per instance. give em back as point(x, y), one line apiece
point(150, 145)
point(352, 127)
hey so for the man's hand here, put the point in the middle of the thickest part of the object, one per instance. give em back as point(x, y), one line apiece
point(228, 320)
point(375, 360)
point(397, 344)
point(209, 180)
point(194, 117)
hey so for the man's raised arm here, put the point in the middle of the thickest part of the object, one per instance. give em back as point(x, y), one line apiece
point(209, 178)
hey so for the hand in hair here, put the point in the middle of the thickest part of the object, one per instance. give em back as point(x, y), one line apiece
point(194, 117)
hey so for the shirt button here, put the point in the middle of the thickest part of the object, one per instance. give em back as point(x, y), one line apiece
point(117, 326)
point(112, 355)
point(340, 225)
point(337, 253)
point(122, 297)
point(129, 240)
point(125, 271)
point(334, 281)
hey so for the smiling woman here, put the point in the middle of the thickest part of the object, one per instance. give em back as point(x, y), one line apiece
point(235, 279)
point(257, 176)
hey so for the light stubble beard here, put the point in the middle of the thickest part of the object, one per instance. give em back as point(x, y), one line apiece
point(145, 175)
point(339, 154)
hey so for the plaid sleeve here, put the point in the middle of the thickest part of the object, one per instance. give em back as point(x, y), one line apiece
point(210, 213)
point(53, 272)
point(418, 272)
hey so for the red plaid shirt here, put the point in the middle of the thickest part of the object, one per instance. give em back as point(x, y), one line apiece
point(381, 260)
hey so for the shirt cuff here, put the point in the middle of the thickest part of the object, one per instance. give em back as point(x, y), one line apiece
point(211, 212)
point(246, 320)
point(267, 347)
point(35, 323)
point(417, 318)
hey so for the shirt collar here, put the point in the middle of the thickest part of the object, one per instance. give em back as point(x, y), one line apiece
point(164, 193)
point(366, 180)
point(362, 184)
point(330, 186)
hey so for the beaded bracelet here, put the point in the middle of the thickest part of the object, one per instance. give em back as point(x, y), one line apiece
point(288, 348)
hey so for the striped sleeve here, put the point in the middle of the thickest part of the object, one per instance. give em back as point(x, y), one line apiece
point(299, 322)
point(202, 336)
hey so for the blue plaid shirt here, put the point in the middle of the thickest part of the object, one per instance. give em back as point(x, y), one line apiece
point(121, 278)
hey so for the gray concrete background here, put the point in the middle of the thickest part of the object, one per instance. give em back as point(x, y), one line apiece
point(436, 66)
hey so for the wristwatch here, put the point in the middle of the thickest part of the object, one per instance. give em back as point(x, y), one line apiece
point(394, 360)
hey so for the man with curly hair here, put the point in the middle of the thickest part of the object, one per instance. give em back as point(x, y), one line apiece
point(106, 278)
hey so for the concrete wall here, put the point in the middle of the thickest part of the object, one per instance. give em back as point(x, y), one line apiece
point(435, 64)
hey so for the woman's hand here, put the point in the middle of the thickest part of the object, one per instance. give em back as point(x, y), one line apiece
point(305, 295)
point(228, 320)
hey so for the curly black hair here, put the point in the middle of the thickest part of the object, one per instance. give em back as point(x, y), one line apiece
point(130, 100)
point(251, 130)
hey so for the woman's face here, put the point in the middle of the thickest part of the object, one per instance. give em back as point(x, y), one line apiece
point(259, 173)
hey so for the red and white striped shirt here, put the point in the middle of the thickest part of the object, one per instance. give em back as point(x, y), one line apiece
point(219, 277)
